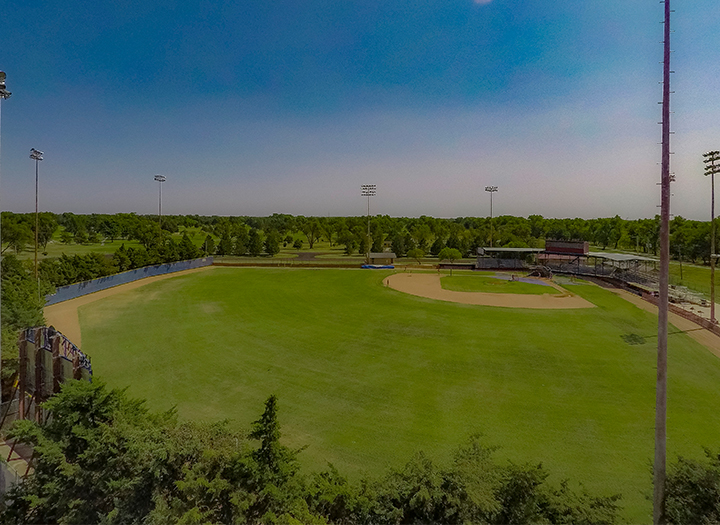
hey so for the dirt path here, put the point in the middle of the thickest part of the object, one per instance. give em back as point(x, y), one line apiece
point(428, 285)
point(64, 316)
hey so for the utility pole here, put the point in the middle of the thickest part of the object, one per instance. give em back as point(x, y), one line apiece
point(712, 166)
point(659, 466)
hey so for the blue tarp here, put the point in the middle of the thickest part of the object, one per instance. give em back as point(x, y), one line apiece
point(378, 266)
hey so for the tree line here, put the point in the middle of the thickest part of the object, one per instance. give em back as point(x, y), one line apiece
point(254, 236)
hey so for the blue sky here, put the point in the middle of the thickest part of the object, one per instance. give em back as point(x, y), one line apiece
point(257, 107)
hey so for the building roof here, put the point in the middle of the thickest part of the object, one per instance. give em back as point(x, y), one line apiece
point(620, 257)
point(382, 255)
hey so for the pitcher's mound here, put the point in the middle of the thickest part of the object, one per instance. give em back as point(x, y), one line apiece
point(428, 285)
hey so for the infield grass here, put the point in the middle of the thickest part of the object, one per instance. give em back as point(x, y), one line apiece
point(366, 375)
point(490, 284)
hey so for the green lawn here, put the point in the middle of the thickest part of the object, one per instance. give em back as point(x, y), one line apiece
point(367, 375)
point(694, 277)
point(488, 283)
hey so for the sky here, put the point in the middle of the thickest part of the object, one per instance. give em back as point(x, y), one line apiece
point(288, 106)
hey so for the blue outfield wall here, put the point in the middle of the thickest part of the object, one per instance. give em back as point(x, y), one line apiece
point(65, 293)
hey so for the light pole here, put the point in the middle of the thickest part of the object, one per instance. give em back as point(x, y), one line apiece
point(712, 166)
point(160, 179)
point(4, 93)
point(491, 190)
point(37, 156)
point(368, 190)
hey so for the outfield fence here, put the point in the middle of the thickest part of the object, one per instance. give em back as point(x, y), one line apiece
point(72, 291)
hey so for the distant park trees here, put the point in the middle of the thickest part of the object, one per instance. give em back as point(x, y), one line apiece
point(233, 236)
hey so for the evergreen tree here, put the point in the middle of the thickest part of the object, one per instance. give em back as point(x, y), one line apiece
point(187, 249)
point(255, 242)
point(209, 245)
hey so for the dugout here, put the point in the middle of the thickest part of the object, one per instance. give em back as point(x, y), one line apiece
point(383, 258)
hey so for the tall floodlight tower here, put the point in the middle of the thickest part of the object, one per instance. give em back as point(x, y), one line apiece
point(4, 94)
point(160, 179)
point(491, 190)
point(712, 166)
point(37, 156)
point(659, 496)
point(368, 190)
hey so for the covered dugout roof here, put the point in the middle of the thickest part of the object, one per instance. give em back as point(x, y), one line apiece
point(620, 257)
point(510, 250)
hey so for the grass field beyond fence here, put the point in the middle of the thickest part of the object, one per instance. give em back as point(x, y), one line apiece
point(366, 375)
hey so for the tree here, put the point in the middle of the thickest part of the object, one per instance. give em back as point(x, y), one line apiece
point(47, 228)
point(298, 244)
point(16, 235)
point(311, 228)
point(422, 234)
point(225, 245)
point(241, 240)
point(81, 237)
point(449, 254)
point(437, 246)
point(255, 242)
point(398, 245)
point(120, 259)
point(378, 240)
point(209, 245)
point(693, 490)
point(272, 243)
point(186, 249)
point(416, 254)
point(363, 243)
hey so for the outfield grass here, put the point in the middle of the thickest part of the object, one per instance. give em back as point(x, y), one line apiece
point(366, 375)
point(489, 284)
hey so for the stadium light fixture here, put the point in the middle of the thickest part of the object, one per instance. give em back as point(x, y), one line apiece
point(160, 179)
point(37, 156)
point(368, 190)
point(491, 190)
point(712, 166)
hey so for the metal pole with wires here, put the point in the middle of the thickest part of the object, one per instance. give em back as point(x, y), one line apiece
point(712, 166)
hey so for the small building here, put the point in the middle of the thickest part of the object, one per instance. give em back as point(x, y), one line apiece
point(381, 258)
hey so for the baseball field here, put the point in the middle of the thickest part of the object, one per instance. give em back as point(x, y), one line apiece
point(367, 374)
